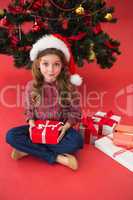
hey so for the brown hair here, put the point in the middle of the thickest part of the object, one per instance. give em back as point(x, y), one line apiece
point(63, 80)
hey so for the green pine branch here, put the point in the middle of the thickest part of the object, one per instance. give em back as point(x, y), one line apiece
point(95, 45)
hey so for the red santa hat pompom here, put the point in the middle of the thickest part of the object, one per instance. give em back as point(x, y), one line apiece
point(58, 42)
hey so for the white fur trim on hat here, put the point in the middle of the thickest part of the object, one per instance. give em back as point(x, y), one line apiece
point(76, 79)
point(49, 41)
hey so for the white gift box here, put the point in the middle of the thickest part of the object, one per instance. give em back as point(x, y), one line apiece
point(119, 154)
point(106, 129)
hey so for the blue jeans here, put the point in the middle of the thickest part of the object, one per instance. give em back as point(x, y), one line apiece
point(18, 138)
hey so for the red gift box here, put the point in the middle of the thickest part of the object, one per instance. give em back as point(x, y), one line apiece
point(100, 124)
point(45, 132)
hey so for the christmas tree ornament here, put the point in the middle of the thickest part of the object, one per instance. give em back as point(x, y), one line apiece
point(22, 2)
point(25, 48)
point(91, 55)
point(87, 20)
point(80, 10)
point(15, 9)
point(4, 21)
point(14, 40)
point(36, 27)
point(37, 4)
point(2, 12)
point(97, 29)
point(108, 17)
point(28, 12)
point(108, 44)
point(65, 23)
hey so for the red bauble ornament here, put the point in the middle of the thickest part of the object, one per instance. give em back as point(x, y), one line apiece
point(25, 48)
point(36, 27)
point(22, 2)
point(108, 44)
point(4, 22)
point(28, 12)
point(97, 29)
point(15, 10)
point(87, 19)
point(65, 24)
point(14, 40)
point(37, 5)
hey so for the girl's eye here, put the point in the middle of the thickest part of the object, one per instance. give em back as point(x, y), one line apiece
point(57, 64)
point(46, 64)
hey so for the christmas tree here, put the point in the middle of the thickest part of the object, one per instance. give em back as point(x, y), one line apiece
point(80, 21)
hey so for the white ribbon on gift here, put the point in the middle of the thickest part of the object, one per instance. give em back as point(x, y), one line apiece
point(41, 126)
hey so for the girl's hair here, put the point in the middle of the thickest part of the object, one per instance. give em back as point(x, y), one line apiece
point(63, 80)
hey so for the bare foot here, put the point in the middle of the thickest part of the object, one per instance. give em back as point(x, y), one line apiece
point(68, 160)
point(18, 154)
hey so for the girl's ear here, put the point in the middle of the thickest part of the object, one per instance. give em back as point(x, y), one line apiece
point(38, 66)
point(38, 63)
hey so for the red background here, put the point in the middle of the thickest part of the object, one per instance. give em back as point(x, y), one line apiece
point(98, 177)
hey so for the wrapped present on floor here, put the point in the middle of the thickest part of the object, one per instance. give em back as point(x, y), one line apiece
point(121, 155)
point(123, 135)
point(45, 132)
point(105, 123)
point(100, 124)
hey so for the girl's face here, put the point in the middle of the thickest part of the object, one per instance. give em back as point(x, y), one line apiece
point(50, 67)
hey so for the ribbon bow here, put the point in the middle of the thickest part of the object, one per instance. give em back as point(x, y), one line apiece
point(41, 126)
point(104, 120)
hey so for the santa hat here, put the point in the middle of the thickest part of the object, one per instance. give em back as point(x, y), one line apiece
point(58, 42)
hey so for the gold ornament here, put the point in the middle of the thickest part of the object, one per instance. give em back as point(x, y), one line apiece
point(80, 10)
point(92, 55)
point(108, 17)
point(1, 12)
point(91, 46)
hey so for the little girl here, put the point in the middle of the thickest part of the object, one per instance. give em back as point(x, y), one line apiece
point(50, 95)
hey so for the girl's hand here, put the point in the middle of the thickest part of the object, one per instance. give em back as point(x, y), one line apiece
point(63, 130)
